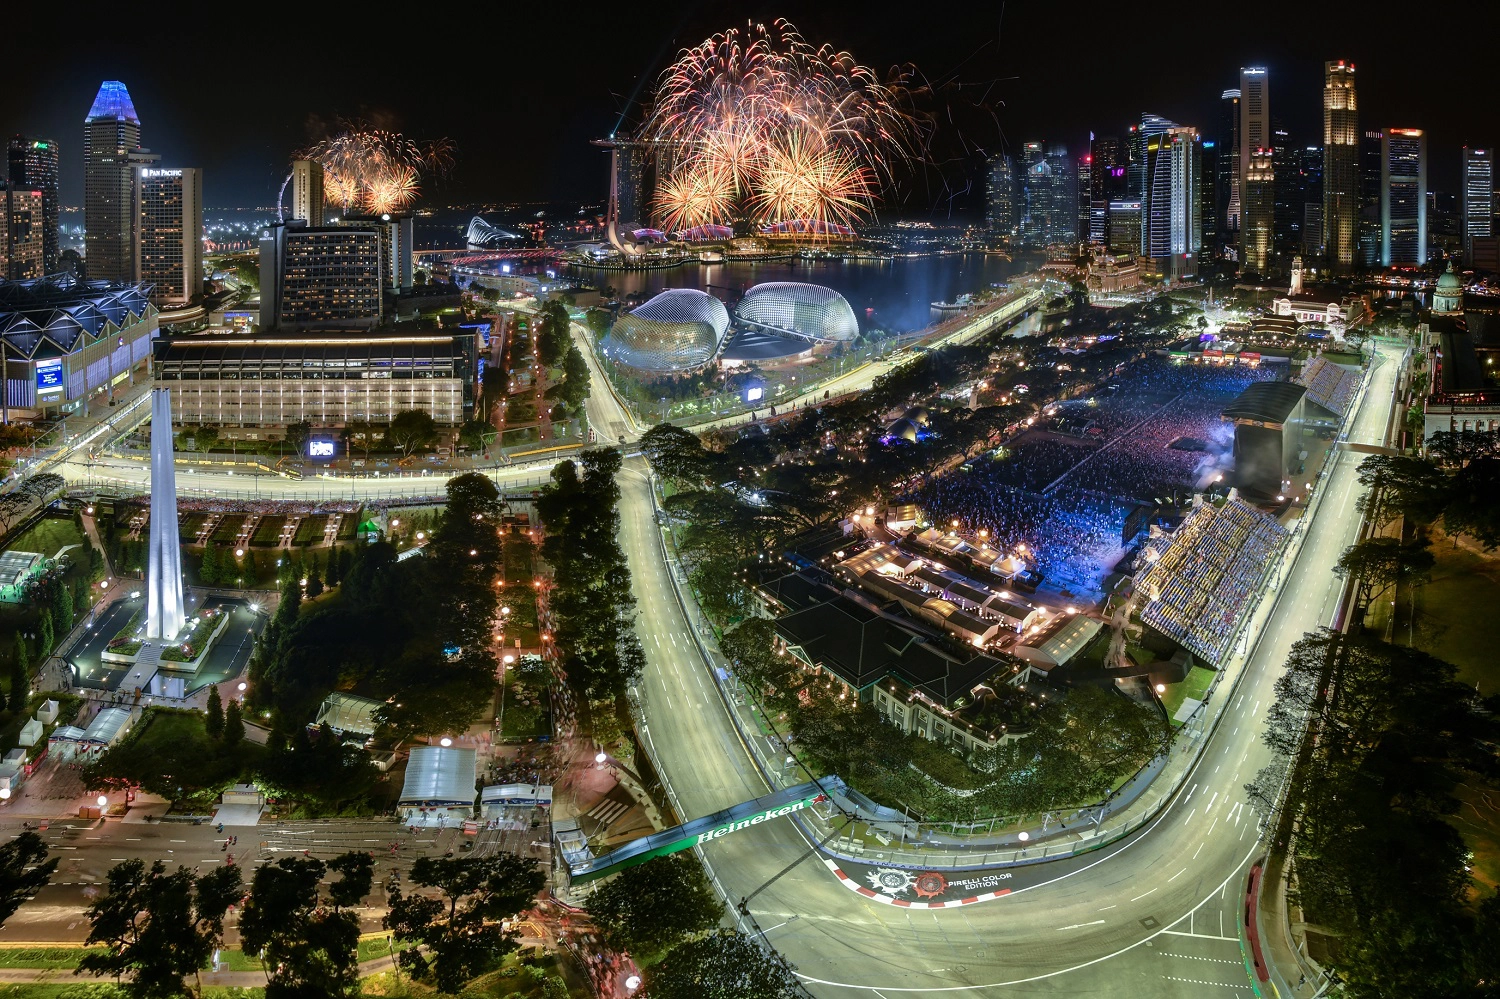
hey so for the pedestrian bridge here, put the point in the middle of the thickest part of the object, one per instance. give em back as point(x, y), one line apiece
point(584, 867)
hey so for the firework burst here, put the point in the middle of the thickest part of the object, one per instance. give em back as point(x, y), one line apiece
point(777, 129)
point(376, 171)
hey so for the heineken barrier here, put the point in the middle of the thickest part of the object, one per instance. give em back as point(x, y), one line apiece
point(584, 868)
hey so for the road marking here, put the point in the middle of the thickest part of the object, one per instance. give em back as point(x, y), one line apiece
point(1194, 981)
point(115, 860)
point(1195, 957)
point(1108, 907)
point(176, 841)
point(1198, 851)
point(1079, 926)
point(1200, 936)
point(1139, 897)
point(1210, 806)
point(1176, 876)
point(132, 839)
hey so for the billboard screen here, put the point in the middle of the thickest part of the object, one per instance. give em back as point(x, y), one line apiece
point(321, 447)
point(49, 375)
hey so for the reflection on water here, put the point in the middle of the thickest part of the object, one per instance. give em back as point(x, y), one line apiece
point(893, 295)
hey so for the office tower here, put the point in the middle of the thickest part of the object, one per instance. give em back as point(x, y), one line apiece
point(33, 164)
point(1370, 143)
point(1084, 195)
point(111, 151)
point(1258, 204)
point(1124, 226)
point(1048, 196)
point(1340, 175)
point(1171, 231)
point(323, 278)
point(1000, 196)
point(21, 233)
point(1229, 165)
point(1312, 201)
point(1479, 197)
point(1257, 207)
point(1208, 189)
point(1106, 183)
point(307, 191)
point(169, 233)
point(1403, 197)
point(1286, 218)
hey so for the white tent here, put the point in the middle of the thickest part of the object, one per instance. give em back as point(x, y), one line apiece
point(440, 778)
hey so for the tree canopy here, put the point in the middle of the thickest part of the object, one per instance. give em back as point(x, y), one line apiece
point(646, 909)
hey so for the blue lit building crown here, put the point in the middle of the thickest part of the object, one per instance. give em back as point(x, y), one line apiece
point(112, 103)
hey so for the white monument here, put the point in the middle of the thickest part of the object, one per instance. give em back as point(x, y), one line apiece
point(164, 613)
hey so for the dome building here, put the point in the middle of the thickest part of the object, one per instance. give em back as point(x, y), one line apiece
point(807, 312)
point(678, 331)
point(1448, 296)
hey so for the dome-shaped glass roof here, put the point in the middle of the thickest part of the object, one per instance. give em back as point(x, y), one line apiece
point(679, 330)
point(805, 311)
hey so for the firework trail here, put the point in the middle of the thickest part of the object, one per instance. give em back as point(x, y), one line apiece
point(757, 122)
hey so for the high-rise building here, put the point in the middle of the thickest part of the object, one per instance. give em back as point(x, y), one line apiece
point(1289, 192)
point(1000, 195)
point(169, 233)
point(1257, 207)
point(21, 232)
point(1106, 183)
point(111, 151)
point(1479, 197)
point(1208, 188)
point(307, 191)
point(1049, 200)
point(1085, 182)
point(1171, 228)
point(1312, 201)
point(33, 164)
point(1403, 197)
point(1229, 165)
point(1370, 143)
point(1124, 226)
point(324, 278)
point(1340, 175)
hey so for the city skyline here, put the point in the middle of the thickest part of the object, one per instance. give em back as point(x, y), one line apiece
point(1004, 88)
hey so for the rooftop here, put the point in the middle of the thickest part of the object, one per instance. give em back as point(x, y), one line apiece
point(1266, 402)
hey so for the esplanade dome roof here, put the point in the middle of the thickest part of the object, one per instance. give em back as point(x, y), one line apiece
point(1449, 280)
point(805, 311)
point(680, 329)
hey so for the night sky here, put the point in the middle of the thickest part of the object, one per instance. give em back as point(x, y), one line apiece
point(521, 88)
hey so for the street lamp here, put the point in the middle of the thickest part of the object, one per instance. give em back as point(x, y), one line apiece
point(1023, 835)
point(102, 801)
point(600, 757)
point(4, 794)
point(445, 742)
point(633, 982)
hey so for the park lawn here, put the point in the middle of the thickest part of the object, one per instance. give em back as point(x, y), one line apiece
point(41, 957)
point(87, 988)
point(48, 536)
point(1447, 625)
point(1193, 686)
point(526, 721)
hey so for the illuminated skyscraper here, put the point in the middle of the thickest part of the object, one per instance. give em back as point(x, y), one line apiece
point(1106, 183)
point(1257, 191)
point(1000, 195)
point(1171, 228)
point(1479, 197)
point(1312, 201)
point(1403, 197)
point(1370, 143)
point(1229, 166)
point(1085, 194)
point(33, 164)
point(169, 233)
point(111, 151)
point(307, 191)
point(1286, 225)
point(1257, 206)
point(1049, 200)
point(1340, 166)
point(21, 214)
